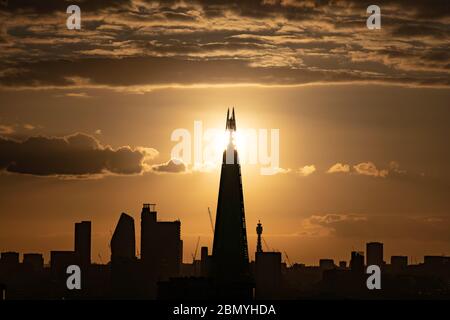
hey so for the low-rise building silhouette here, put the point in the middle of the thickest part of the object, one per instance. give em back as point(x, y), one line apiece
point(374, 254)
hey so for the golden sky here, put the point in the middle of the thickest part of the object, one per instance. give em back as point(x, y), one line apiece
point(86, 118)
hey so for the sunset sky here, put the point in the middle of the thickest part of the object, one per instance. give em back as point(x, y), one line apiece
point(86, 118)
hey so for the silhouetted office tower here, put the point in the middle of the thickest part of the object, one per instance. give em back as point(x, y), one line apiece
point(374, 252)
point(267, 275)
point(83, 242)
point(10, 258)
point(357, 262)
point(326, 264)
point(259, 230)
point(123, 243)
point(230, 251)
point(161, 246)
point(148, 245)
point(125, 275)
point(35, 260)
point(399, 263)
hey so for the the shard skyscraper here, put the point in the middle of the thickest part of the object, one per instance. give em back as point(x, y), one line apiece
point(230, 267)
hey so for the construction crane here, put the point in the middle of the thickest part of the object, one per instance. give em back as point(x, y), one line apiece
point(109, 243)
point(194, 255)
point(211, 220)
point(265, 243)
point(287, 258)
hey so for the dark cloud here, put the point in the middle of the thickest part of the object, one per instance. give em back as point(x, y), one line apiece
point(171, 166)
point(74, 155)
point(384, 226)
point(141, 71)
point(393, 172)
point(52, 6)
point(298, 9)
point(126, 43)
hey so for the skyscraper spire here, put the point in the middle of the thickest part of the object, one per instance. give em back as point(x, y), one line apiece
point(231, 121)
point(228, 116)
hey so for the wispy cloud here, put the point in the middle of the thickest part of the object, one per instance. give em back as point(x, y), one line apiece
point(306, 170)
point(369, 169)
point(364, 168)
point(171, 166)
point(6, 129)
point(376, 226)
point(77, 95)
point(339, 167)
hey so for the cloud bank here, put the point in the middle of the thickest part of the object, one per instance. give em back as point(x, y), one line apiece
point(78, 155)
point(140, 45)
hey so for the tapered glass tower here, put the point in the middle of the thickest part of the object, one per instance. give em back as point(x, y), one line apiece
point(230, 250)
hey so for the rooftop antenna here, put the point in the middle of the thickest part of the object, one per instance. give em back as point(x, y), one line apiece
point(110, 232)
point(265, 243)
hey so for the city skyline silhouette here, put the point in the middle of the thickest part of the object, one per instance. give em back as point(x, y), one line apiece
point(329, 178)
point(160, 273)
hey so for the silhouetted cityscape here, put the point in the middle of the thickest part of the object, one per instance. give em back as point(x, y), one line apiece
point(226, 272)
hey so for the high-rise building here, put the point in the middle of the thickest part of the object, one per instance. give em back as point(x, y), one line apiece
point(83, 242)
point(230, 250)
point(148, 245)
point(374, 252)
point(125, 272)
point(161, 246)
point(123, 243)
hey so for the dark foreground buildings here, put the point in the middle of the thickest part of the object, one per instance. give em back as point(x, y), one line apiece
point(227, 273)
point(123, 277)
